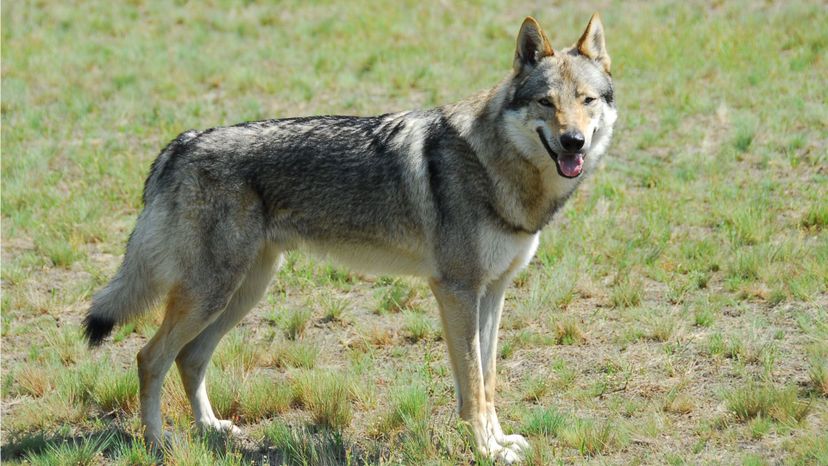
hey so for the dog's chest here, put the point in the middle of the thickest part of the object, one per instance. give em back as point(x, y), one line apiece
point(505, 253)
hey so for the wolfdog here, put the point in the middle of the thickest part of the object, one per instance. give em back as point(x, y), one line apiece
point(456, 194)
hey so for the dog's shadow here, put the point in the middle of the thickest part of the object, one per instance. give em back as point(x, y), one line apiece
point(287, 445)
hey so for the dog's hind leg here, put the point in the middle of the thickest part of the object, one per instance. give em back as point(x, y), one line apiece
point(187, 314)
point(212, 269)
point(194, 358)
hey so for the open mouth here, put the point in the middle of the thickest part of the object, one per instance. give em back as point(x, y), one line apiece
point(569, 164)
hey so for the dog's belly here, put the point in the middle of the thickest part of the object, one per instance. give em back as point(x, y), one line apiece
point(375, 259)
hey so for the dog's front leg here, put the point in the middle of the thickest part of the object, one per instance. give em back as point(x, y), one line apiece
point(491, 307)
point(459, 307)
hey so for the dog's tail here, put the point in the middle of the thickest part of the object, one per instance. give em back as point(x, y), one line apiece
point(140, 281)
point(133, 291)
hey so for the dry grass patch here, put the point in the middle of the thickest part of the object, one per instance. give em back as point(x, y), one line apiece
point(33, 380)
point(677, 402)
point(568, 332)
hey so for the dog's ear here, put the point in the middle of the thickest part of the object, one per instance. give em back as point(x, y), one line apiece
point(592, 45)
point(532, 45)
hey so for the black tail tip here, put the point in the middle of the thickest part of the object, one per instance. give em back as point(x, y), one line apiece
point(96, 329)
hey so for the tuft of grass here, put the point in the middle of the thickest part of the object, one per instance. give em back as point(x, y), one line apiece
point(238, 349)
point(746, 225)
point(296, 322)
point(627, 292)
point(759, 426)
point(133, 452)
point(661, 329)
point(589, 437)
point(300, 446)
point(33, 380)
point(506, 349)
point(816, 217)
point(60, 252)
point(263, 397)
point(409, 408)
point(535, 388)
point(547, 422)
point(67, 344)
point(295, 354)
point(418, 326)
point(225, 391)
point(117, 391)
point(744, 132)
point(76, 452)
point(752, 459)
point(325, 395)
point(568, 332)
point(678, 403)
point(379, 336)
point(818, 374)
point(334, 308)
point(395, 297)
point(207, 448)
point(703, 317)
point(766, 400)
point(810, 449)
point(715, 345)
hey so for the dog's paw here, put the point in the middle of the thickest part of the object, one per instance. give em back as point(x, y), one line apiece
point(506, 455)
point(502, 454)
point(223, 426)
point(515, 441)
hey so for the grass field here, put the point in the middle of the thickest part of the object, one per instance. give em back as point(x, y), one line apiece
point(675, 312)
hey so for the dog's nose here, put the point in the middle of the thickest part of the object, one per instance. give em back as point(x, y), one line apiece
point(572, 140)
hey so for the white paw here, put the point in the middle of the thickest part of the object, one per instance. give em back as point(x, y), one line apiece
point(502, 454)
point(507, 455)
point(223, 426)
point(515, 441)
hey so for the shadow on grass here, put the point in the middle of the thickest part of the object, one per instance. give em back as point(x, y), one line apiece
point(282, 444)
point(309, 445)
point(28, 445)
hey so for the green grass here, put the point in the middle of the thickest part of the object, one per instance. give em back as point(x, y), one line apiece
point(295, 354)
point(325, 395)
point(545, 422)
point(765, 400)
point(395, 297)
point(84, 452)
point(264, 398)
point(117, 391)
point(295, 322)
point(689, 272)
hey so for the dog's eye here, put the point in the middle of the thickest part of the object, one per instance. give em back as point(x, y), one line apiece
point(589, 100)
point(545, 102)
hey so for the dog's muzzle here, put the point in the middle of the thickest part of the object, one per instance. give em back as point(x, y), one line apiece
point(569, 164)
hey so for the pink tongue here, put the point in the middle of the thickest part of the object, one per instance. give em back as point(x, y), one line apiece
point(571, 165)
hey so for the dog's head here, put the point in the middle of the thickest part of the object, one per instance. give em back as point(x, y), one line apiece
point(559, 106)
